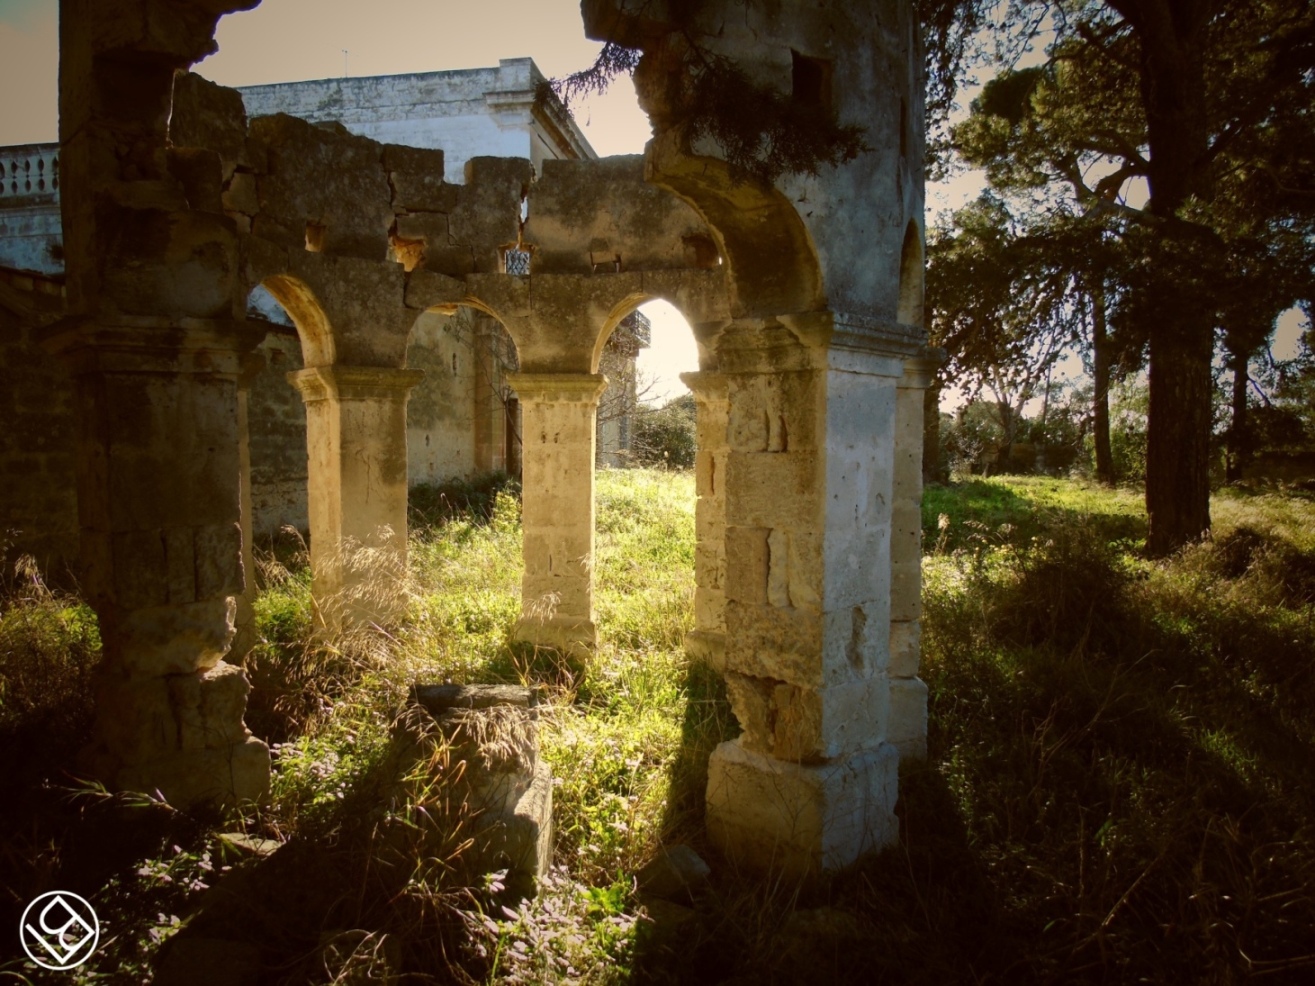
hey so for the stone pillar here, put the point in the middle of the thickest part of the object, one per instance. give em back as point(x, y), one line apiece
point(558, 420)
point(245, 619)
point(158, 504)
point(707, 641)
point(908, 693)
point(811, 783)
point(357, 489)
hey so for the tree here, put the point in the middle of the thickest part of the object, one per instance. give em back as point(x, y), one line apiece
point(1000, 306)
point(1220, 91)
point(1208, 101)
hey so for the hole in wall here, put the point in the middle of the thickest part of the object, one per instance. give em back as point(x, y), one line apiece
point(810, 80)
point(315, 237)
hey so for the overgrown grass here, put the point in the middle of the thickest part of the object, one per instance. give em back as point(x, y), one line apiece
point(1118, 788)
point(1128, 744)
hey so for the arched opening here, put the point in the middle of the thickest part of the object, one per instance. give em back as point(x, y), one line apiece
point(909, 310)
point(657, 446)
point(463, 418)
point(276, 459)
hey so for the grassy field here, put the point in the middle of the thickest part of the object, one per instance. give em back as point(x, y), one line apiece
point(1118, 787)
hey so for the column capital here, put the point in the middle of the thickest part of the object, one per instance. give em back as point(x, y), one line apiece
point(706, 385)
point(354, 383)
point(564, 388)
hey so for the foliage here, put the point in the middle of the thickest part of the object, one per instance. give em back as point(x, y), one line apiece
point(1121, 738)
point(1001, 303)
point(1207, 105)
point(49, 648)
point(665, 436)
point(1117, 788)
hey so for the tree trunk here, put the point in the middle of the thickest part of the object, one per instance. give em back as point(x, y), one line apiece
point(1239, 442)
point(1100, 401)
point(1178, 440)
point(1172, 38)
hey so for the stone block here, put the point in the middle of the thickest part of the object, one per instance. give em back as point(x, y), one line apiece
point(439, 699)
point(774, 490)
point(906, 591)
point(708, 646)
point(710, 566)
point(201, 175)
point(426, 226)
point(159, 640)
point(746, 565)
point(574, 636)
point(240, 195)
point(502, 786)
point(218, 560)
point(905, 648)
point(906, 532)
point(135, 719)
point(854, 561)
point(856, 639)
point(808, 725)
point(908, 717)
point(709, 609)
point(520, 839)
point(770, 642)
point(227, 775)
point(801, 819)
point(140, 569)
point(204, 114)
point(416, 177)
point(208, 707)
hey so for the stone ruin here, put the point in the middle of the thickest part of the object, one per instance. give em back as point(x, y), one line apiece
point(805, 298)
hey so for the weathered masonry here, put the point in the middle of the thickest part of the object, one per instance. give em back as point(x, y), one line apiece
point(463, 418)
point(804, 298)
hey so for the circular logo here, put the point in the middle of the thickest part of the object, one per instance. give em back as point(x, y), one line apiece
point(59, 930)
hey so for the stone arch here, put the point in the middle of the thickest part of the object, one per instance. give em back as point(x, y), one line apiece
point(308, 316)
point(632, 303)
point(909, 310)
point(771, 260)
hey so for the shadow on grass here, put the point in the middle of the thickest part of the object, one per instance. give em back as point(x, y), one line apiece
point(1118, 788)
point(473, 500)
point(983, 513)
point(922, 912)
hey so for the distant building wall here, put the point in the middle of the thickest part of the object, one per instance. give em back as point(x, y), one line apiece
point(467, 113)
point(440, 416)
point(30, 231)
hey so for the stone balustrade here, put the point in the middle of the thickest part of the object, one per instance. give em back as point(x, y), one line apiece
point(28, 171)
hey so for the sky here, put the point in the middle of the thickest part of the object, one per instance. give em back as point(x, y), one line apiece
point(293, 40)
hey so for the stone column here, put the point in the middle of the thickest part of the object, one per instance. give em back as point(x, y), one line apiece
point(707, 641)
point(158, 504)
point(811, 783)
point(558, 419)
point(357, 489)
point(245, 618)
point(908, 693)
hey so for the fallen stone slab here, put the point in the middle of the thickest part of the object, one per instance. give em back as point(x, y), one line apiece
point(506, 787)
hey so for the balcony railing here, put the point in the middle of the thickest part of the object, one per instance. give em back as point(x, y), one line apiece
point(28, 171)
